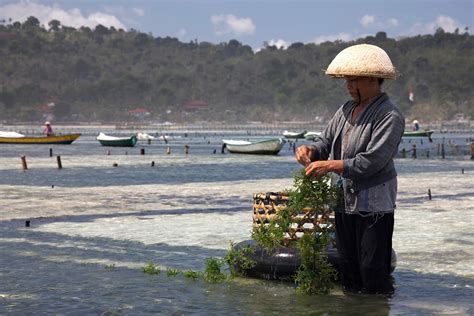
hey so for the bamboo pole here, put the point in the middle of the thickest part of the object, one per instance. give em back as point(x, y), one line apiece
point(23, 163)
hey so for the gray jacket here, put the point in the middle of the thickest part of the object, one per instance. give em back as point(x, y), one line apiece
point(374, 142)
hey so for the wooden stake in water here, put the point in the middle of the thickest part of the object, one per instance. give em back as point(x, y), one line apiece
point(186, 149)
point(23, 163)
point(442, 151)
point(60, 165)
point(429, 194)
point(142, 151)
point(472, 151)
point(414, 151)
point(51, 152)
point(404, 153)
point(168, 151)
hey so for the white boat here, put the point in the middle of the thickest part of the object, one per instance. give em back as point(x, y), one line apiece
point(288, 134)
point(262, 147)
point(11, 135)
point(144, 136)
point(311, 135)
point(107, 140)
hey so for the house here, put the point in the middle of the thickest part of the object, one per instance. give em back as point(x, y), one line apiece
point(139, 113)
point(195, 105)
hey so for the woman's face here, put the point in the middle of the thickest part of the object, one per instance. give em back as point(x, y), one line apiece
point(358, 87)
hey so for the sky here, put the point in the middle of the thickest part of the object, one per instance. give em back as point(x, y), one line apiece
point(253, 22)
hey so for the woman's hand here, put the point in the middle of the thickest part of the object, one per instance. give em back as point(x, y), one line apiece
point(303, 155)
point(321, 168)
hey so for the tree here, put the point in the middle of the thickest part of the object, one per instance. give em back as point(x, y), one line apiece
point(381, 36)
point(31, 22)
point(101, 30)
point(54, 25)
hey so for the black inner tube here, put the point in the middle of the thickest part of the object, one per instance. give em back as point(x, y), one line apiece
point(283, 262)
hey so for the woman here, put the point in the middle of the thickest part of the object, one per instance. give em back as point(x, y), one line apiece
point(360, 142)
point(48, 130)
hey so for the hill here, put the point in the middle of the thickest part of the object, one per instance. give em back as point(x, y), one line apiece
point(104, 73)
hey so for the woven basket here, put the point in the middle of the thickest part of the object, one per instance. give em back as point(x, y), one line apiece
point(267, 205)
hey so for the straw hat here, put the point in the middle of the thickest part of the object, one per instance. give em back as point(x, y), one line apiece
point(47, 123)
point(362, 60)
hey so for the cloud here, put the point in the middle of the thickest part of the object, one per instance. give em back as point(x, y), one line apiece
point(445, 22)
point(392, 22)
point(230, 24)
point(332, 37)
point(279, 43)
point(370, 21)
point(366, 20)
point(22, 10)
point(139, 12)
point(182, 32)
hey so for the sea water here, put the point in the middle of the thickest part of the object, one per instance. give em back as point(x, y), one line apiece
point(93, 227)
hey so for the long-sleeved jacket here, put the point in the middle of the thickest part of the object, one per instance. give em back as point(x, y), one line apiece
point(373, 144)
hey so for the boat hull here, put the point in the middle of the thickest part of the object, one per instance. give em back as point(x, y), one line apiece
point(418, 134)
point(41, 140)
point(292, 135)
point(268, 147)
point(311, 135)
point(117, 141)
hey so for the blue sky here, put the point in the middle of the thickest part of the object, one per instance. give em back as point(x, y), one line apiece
point(279, 22)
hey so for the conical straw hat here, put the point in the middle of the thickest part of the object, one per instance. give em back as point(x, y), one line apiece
point(362, 60)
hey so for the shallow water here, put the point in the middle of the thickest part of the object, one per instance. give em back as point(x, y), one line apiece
point(188, 208)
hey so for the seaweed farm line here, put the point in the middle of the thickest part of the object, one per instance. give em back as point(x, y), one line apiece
point(93, 227)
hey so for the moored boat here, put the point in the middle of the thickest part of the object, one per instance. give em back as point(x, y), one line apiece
point(144, 136)
point(418, 133)
point(16, 138)
point(262, 147)
point(107, 140)
point(288, 134)
point(311, 135)
point(426, 133)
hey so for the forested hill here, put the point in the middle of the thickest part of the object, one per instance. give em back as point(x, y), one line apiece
point(102, 74)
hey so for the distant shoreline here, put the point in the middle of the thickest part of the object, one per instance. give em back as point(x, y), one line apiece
point(439, 127)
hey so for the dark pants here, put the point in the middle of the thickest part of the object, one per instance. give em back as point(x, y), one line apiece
point(365, 249)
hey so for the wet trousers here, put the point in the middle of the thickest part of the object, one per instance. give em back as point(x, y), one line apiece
point(365, 248)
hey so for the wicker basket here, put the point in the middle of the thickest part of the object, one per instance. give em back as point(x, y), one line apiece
point(267, 205)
